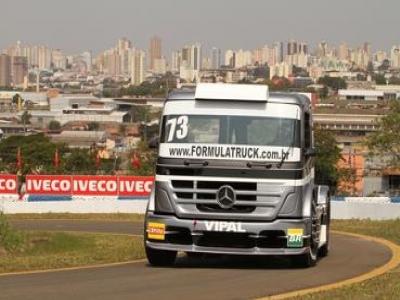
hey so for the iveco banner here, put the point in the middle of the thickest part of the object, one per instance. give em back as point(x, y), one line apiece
point(8, 184)
point(89, 185)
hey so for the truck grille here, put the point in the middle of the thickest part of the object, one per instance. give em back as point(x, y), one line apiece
point(202, 194)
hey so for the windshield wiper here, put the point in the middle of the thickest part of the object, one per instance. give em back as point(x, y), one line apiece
point(188, 162)
point(285, 155)
point(259, 164)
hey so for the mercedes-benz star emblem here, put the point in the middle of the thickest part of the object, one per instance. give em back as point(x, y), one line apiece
point(226, 196)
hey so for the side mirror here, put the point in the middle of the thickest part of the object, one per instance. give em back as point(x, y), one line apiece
point(153, 142)
point(310, 152)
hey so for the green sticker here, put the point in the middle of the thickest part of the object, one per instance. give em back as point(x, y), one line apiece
point(295, 238)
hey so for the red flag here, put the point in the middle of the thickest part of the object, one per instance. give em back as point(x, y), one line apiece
point(135, 161)
point(56, 160)
point(19, 159)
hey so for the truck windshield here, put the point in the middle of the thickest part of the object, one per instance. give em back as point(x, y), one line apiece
point(233, 130)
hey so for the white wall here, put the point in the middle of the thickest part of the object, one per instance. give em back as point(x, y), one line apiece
point(77, 206)
point(340, 209)
point(360, 210)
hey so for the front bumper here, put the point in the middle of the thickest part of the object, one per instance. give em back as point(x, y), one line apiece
point(248, 238)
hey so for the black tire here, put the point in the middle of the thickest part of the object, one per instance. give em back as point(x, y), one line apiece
point(160, 258)
point(324, 250)
point(310, 258)
point(305, 260)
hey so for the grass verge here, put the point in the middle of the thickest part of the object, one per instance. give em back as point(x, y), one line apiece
point(51, 250)
point(69, 216)
point(386, 286)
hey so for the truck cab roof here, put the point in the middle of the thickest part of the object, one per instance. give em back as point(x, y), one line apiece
point(274, 97)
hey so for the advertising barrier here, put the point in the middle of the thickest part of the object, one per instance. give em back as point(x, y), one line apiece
point(68, 187)
point(8, 184)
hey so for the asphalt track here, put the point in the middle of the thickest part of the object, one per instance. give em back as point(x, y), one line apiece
point(206, 278)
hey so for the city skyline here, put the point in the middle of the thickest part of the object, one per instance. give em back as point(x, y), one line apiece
point(95, 25)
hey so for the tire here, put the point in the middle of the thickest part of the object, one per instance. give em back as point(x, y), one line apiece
point(160, 258)
point(305, 260)
point(310, 258)
point(324, 250)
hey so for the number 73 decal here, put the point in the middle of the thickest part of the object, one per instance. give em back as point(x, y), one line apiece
point(178, 127)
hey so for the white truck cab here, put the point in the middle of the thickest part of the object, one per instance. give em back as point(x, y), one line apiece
point(235, 175)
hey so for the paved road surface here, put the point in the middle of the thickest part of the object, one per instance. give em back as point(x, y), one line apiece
point(207, 278)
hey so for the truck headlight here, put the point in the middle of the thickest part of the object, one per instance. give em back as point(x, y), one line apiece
point(162, 203)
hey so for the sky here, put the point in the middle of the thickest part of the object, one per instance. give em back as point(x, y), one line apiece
point(78, 25)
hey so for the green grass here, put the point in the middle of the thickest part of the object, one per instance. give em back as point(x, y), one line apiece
point(48, 250)
point(10, 239)
point(386, 286)
point(69, 216)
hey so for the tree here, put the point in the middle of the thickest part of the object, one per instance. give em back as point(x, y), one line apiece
point(26, 117)
point(37, 152)
point(384, 66)
point(385, 142)
point(16, 98)
point(79, 161)
point(54, 125)
point(328, 155)
point(379, 79)
point(334, 83)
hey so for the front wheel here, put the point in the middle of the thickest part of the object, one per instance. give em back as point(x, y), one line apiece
point(310, 258)
point(160, 258)
point(306, 260)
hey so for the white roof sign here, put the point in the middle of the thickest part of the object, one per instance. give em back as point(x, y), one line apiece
point(223, 91)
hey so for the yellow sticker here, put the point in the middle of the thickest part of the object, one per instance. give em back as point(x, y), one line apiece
point(295, 231)
point(156, 231)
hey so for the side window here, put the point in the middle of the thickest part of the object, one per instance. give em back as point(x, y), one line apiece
point(307, 131)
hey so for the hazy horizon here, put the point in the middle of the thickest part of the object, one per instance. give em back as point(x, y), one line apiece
point(77, 26)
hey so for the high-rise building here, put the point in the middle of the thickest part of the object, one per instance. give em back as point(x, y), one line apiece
point(19, 69)
point(176, 58)
point(380, 56)
point(323, 49)
point(196, 57)
point(186, 55)
point(367, 48)
point(257, 56)
point(395, 57)
point(160, 66)
point(44, 57)
point(282, 69)
point(123, 44)
point(137, 66)
point(123, 49)
point(343, 53)
point(112, 63)
point(230, 58)
point(59, 59)
point(87, 59)
point(5, 70)
point(278, 46)
point(190, 62)
point(215, 58)
point(291, 47)
point(242, 58)
point(155, 51)
point(302, 47)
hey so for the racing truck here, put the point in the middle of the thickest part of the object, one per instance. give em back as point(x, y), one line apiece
point(235, 176)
